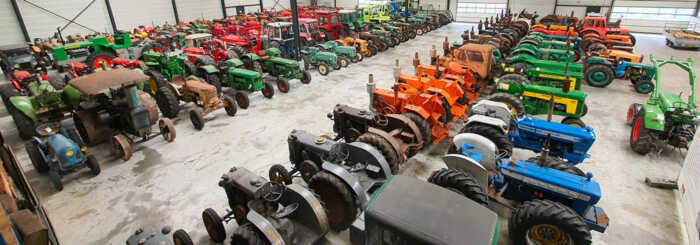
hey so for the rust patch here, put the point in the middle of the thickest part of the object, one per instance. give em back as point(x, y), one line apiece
point(97, 82)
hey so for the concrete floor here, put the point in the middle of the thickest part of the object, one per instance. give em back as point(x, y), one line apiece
point(171, 183)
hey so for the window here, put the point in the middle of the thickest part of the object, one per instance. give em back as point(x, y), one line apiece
point(482, 8)
point(666, 14)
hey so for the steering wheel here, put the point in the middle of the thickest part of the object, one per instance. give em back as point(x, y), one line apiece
point(271, 191)
point(287, 210)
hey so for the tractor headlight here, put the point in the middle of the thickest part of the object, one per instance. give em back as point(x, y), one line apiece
point(69, 153)
point(84, 148)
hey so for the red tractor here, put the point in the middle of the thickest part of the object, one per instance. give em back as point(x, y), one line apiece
point(329, 22)
point(242, 44)
point(241, 28)
point(308, 30)
point(200, 46)
point(597, 27)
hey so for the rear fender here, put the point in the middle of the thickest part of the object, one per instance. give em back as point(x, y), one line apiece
point(653, 117)
point(487, 120)
point(251, 56)
point(209, 69)
point(24, 104)
point(266, 228)
point(349, 179)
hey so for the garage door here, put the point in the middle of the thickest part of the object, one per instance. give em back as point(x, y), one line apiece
point(652, 16)
point(475, 10)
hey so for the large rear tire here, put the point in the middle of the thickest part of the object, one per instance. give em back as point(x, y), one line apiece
point(35, 156)
point(559, 164)
point(383, 146)
point(96, 59)
point(460, 182)
point(546, 221)
point(337, 198)
point(641, 139)
point(599, 75)
point(167, 102)
point(514, 103)
point(423, 126)
point(25, 125)
point(505, 147)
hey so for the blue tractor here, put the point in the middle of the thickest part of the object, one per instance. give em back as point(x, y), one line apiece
point(568, 145)
point(551, 206)
point(59, 150)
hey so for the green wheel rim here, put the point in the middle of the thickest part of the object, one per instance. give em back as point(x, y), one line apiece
point(645, 88)
point(598, 77)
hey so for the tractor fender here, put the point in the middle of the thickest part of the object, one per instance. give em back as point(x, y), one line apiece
point(24, 104)
point(653, 117)
point(310, 211)
point(72, 96)
point(349, 179)
point(418, 110)
point(251, 56)
point(523, 49)
point(172, 87)
point(597, 60)
point(209, 69)
point(267, 229)
point(487, 120)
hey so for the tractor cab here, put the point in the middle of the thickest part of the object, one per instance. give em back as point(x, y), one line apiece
point(308, 29)
point(329, 21)
point(600, 26)
point(280, 35)
point(17, 57)
point(477, 57)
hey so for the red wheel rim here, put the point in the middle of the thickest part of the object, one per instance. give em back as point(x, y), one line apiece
point(282, 86)
point(636, 129)
point(630, 115)
point(102, 60)
point(208, 224)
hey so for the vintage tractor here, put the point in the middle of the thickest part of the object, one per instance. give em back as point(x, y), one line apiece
point(242, 82)
point(150, 236)
point(59, 150)
point(559, 55)
point(394, 32)
point(344, 53)
point(374, 40)
point(522, 97)
point(597, 27)
point(550, 205)
point(45, 104)
point(267, 212)
point(248, 48)
point(98, 50)
point(113, 107)
point(324, 61)
point(310, 33)
point(203, 49)
point(283, 69)
point(21, 66)
point(405, 28)
point(665, 117)
point(202, 94)
point(545, 72)
point(601, 70)
point(364, 47)
point(280, 35)
point(352, 21)
point(384, 37)
point(329, 22)
point(554, 19)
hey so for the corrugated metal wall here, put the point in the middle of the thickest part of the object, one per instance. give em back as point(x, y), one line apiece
point(11, 30)
point(41, 23)
point(190, 10)
point(129, 14)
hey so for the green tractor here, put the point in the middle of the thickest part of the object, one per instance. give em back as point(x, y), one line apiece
point(384, 37)
point(545, 72)
point(665, 117)
point(242, 82)
point(395, 32)
point(373, 13)
point(560, 55)
point(46, 104)
point(405, 28)
point(419, 25)
point(352, 20)
point(345, 54)
point(525, 98)
point(313, 56)
point(97, 51)
point(283, 69)
point(600, 72)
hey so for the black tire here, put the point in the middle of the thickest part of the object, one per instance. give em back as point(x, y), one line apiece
point(599, 75)
point(558, 164)
point(423, 126)
point(180, 237)
point(55, 177)
point(190, 68)
point(342, 62)
point(90, 60)
point(546, 212)
point(278, 173)
point(25, 125)
point(448, 110)
point(641, 143)
point(257, 67)
point(57, 81)
point(213, 79)
point(35, 156)
point(306, 77)
point(643, 86)
point(155, 81)
point(167, 102)
point(460, 182)
point(632, 112)
point(93, 165)
point(495, 135)
point(8, 91)
point(230, 106)
point(323, 69)
point(283, 85)
point(240, 51)
point(214, 225)
point(203, 60)
point(514, 78)
point(337, 198)
point(268, 90)
point(384, 147)
point(632, 39)
point(521, 68)
point(372, 49)
point(513, 103)
point(247, 234)
point(576, 122)
point(241, 99)
point(196, 118)
point(357, 58)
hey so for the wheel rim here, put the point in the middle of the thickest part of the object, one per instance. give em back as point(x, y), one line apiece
point(281, 86)
point(545, 234)
point(153, 85)
point(266, 92)
point(630, 115)
point(644, 87)
point(102, 59)
point(276, 176)
point(240, 100)
point(333, 202)
point(322, 69)
point(636, 129)
point(209, 225)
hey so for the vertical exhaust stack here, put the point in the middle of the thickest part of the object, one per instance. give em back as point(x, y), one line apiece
point(446, 47)
point(397, 71)
point(370, 91)
point(433, 55)
point(416, 61)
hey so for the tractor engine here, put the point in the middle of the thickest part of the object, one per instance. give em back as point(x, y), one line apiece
point(681, 135)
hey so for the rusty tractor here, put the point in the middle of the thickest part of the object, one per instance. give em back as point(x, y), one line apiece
point(202, 94)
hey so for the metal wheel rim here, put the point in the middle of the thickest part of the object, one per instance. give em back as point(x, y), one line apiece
point(545, 234)
point(599, 77)
point(644, 87)
point(333, 203)
point(276, 176)
point(209, 225)
point(636, 129)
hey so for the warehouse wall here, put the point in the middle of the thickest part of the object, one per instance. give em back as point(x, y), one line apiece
point(190, 10)
point(653, 25)
point(43, 24)
point(542, 7)
point(129, 14)
point(11, 30)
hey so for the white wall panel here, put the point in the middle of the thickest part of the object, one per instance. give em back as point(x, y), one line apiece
point(585, 2)
point(475, 17)
point(189, 10)
point(12, 33)
point(542, 7)
point(129, 14)
point(42, 24)
point(667, 4)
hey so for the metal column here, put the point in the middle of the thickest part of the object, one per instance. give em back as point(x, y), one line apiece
point(20, 21)
point(261, 6)
point(111, 16)
point(295, 27)
point(223, 8)
point(177, 16)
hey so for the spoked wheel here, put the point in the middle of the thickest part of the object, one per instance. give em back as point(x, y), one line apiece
point(197, 118)
point(268, 90)
point(337, 199)
point(230, 105)
point(547, 222)
point(167, 129)
point(121, 146)
point(279, 174)
point(214, 225)
point(283, 84)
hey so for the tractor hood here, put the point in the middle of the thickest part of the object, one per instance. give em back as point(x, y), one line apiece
point(238, 72)
point(285, 62)
point(65, 150)
point(558, 182)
